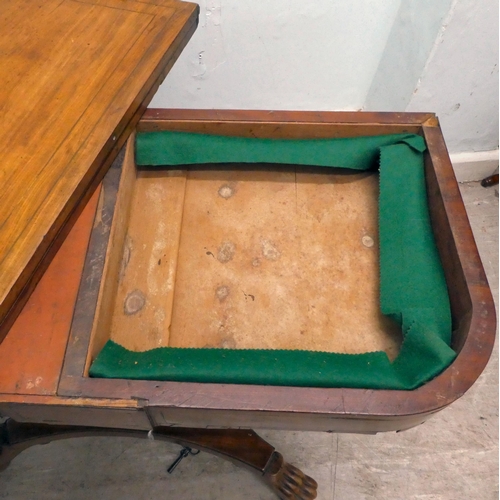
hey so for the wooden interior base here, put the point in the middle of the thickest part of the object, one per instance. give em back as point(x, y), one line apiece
point(260, 257)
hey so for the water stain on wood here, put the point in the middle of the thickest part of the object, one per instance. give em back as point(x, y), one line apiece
point(222, 292)
point(134, 302)
point(226, 191)
point(269, 250)
point(367, 241)
point(226, 252)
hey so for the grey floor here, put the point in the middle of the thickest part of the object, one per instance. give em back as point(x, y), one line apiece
point(452, 456)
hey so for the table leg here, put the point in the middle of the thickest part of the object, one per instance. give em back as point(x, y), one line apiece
point(242, 447)
point(491, 180)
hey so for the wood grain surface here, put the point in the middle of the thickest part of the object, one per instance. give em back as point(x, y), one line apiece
point(76, 76)
point(142, 310)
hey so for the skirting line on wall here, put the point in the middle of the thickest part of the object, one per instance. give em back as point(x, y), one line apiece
point(474, 166)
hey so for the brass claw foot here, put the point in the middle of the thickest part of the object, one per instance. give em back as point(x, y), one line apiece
point(288, 482)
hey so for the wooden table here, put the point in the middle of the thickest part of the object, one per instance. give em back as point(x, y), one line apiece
point(76, 77)
point(45, 390)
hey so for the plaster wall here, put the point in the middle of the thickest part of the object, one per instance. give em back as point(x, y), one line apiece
point(460, 80)
point(284, 54)
point(412, 37)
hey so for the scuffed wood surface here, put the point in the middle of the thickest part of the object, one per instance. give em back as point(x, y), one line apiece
point(32, 354)
point(280, 260)
point(143, 304)
point(251, 259)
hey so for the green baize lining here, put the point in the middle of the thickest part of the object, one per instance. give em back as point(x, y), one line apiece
point(412, 285)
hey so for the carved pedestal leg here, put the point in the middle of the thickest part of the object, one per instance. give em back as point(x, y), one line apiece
point(242, 447)
point(246, 448)
point(288, 481)
point(491, 180)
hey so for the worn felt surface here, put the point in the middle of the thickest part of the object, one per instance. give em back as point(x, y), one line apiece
point(412, 286)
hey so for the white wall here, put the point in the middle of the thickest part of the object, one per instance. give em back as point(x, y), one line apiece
point(410, 42)
point(280, 54)
point(419, 55)
point(460, 81)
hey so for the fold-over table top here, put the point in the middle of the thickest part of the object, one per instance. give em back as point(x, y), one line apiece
point(75, 77)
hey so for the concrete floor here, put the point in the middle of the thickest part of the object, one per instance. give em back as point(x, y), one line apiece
point(452, 456)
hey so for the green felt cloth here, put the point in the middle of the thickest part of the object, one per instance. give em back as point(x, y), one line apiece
point(412, 286)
